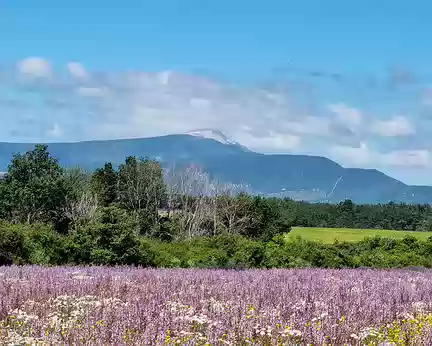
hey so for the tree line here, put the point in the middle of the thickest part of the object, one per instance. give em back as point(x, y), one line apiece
point(346, 214)
point(181, 202)
point(139, 213)
point(175, 204)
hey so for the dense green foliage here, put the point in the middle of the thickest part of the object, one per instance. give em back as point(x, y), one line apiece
point(113, 241)
point(109, 240)
point(38, 190)
point(34, 190)
point(349, 215)
point(133, 215)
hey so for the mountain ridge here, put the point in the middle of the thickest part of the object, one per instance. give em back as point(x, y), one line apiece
point(305, 177)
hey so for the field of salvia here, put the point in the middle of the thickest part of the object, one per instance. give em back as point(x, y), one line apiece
point(129, 306)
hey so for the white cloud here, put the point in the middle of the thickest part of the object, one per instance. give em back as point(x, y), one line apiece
point(397, 126)
point(92, 91)
point(364, 156)
point(357, 156)
point(308, 125)
point(349, 116)
point(105, 105)
point(200, 103)
point(151, 104)
point(164, 77)
point(77, 70)
point(273, 142)
point(34, 67)
point(409, 158)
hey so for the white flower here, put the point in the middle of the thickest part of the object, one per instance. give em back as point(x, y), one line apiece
point(82, 277)
point(419, 306)
point(324, 315)
point(355, 336)
point(294, 332)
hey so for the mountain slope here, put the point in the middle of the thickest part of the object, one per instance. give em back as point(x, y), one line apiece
point(93, 154)
point(298, 176)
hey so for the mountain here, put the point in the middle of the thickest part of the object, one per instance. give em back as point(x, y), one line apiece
point(302, 177)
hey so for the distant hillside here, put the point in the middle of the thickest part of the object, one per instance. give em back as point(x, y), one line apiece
point(301, 177)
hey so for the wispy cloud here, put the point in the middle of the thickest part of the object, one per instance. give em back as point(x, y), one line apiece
point(34, 67)
point(42, 103)
point(77, 70)
point(364, 156)
point(396, 126)
point(351, 117)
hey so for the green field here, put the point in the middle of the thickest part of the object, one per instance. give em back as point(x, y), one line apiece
point(329, 235)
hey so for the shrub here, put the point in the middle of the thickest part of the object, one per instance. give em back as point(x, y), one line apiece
point(35, 244)
point(46, 246)
point(111, 240)
point(163, 254)
point(271, 219)
point(13, 242)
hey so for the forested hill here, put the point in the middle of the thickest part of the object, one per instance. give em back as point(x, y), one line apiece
point(300, 177)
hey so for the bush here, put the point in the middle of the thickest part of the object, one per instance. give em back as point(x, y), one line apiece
point(167, 229)
point(302, 253)
point(111, 240)
point(13, 242)
point(225, 251)
point(234, 251)
point(146, 253)
point(162, 254)
point(271, 219)
point(46, 246)
point(33, 244)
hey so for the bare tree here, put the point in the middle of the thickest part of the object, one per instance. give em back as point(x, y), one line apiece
point(189, 198)
point(83, 210)
point(234, 213)
point(81, 205)
point(203, 206)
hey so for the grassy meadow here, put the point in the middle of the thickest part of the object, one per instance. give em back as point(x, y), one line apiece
point(329, 235)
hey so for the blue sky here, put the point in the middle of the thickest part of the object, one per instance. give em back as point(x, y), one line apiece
point(347, 80)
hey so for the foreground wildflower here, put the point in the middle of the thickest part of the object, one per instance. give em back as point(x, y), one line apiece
point(125, 306)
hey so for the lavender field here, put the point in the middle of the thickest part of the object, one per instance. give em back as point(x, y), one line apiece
point(126, 306)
